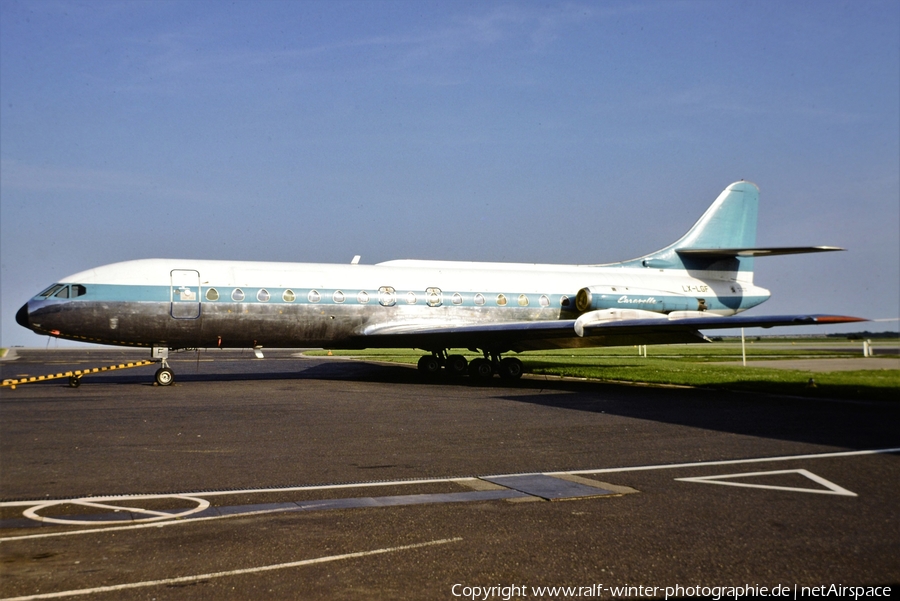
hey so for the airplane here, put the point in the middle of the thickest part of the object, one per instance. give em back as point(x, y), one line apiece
point(702, 281)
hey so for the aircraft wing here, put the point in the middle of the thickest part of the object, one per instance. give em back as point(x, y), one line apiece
point(659, 331)
point(503, 335)
point(537, 335)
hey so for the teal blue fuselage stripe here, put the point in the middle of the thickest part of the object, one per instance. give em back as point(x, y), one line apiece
point(307, 296)
point(119, 292)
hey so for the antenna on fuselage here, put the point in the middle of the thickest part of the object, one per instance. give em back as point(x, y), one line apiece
point(355, 260)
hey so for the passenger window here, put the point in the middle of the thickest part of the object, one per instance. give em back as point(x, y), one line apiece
point(263, 296)
point(288, 296)
point(501, 300)
point(545, 300)
point(457, 298)
point(212, 294)
point(433, 297)
point(410, 298)
point(313, 296)
point(479, 299)
point(237, 295)
point(64, 293)
point(523, 300)
point(387, 296)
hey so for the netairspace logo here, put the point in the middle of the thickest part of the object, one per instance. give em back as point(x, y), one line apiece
point(518, 591)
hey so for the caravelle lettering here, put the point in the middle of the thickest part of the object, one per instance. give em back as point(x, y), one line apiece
point(636, 301)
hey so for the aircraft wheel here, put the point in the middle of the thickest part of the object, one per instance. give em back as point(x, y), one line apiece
point(74, 381)
point(429, 365)
point(164, 376)
point(481, 368)
point(456, 365)
point(511, 368)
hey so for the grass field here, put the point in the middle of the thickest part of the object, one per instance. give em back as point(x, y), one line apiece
point(716, 365)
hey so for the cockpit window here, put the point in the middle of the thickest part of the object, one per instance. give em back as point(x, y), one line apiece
point(51, 290)
point(63, 291)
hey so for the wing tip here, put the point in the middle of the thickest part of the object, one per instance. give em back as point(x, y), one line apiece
point(839, 319)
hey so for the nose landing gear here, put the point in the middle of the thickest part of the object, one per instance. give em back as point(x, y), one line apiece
point(164, 375)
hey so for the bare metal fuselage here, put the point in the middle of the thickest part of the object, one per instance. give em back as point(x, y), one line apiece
point(701, 281)
point(186, 304)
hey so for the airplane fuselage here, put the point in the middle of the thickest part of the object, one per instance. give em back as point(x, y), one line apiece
point(699, 282)
point(201, 303)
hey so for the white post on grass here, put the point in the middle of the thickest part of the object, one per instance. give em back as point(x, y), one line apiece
point(743, 348)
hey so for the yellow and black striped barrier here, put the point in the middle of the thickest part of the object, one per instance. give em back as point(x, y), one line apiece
point(74, 375)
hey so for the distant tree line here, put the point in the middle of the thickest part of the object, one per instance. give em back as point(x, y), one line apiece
point(864, 335)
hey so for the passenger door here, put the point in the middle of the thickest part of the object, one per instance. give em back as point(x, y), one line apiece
point(185, 294)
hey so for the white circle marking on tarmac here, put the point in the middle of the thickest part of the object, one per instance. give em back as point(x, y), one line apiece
point(125, 510)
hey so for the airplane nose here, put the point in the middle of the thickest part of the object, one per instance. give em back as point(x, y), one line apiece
point(22, 317)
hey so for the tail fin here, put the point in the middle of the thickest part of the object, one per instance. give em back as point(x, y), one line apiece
point(730, 222)
point(721, 243)
point(715, 242)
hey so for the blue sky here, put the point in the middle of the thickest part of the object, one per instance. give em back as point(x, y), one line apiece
point(563, 132)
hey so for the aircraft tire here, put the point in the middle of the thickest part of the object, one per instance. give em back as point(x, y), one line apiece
point(74, 381)
point(481, 369)
point(164, 376)
point(429, 365)
point(511, 368)
point(456, 365)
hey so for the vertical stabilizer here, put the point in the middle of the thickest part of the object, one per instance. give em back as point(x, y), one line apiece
point(729, 223)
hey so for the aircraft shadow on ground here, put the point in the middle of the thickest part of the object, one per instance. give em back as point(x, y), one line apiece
point(842, 424)
point(847, 425)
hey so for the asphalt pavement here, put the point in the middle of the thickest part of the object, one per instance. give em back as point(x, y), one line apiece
point(293, 477)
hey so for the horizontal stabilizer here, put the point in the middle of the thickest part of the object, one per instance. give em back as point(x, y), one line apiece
point(754, 252)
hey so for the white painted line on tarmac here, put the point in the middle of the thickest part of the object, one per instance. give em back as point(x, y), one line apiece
point(125, 511)
point(662, 466)
point(198, 577)
point(833, 489)
point(405, 482)
point(144, 525)
point(670, 466)
point(241, 491)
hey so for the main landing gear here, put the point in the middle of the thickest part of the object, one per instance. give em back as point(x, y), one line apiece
point(482, 368)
